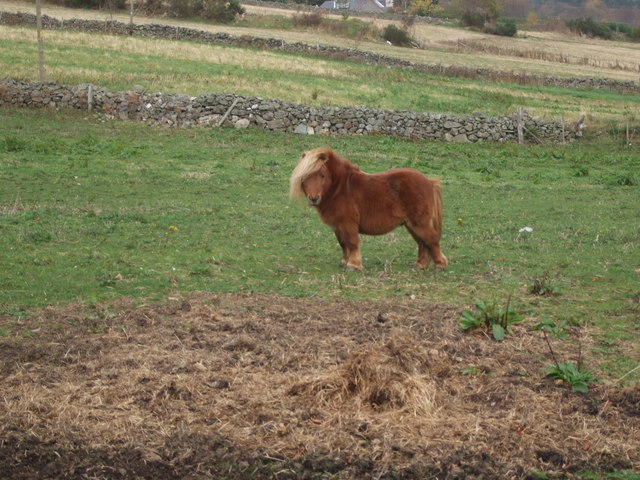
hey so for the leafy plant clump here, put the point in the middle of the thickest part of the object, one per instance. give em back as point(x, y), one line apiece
point(543, 287)
point(549, 327)
point(491, 317)
point(576, 376)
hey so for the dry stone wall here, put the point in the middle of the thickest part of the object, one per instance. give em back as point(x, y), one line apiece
point(221, 38)
point(242, 112)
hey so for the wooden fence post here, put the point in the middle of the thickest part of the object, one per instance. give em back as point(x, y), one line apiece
point(520, 130)
point(41, 71)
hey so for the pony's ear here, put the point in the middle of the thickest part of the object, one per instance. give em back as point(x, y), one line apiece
point(323, 157)
point(330, 155)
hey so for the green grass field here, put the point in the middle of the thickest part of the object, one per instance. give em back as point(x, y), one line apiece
point(103, 221)
point(91, 211)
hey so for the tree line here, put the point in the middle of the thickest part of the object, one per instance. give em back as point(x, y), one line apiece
point(620, 11)
point(598, 18)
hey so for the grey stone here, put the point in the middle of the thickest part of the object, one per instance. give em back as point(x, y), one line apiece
point(302, 129)
point(242, 123)
point(461, 138)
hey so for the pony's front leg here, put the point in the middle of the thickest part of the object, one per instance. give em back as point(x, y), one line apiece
point(343, 246)
point(350, 243)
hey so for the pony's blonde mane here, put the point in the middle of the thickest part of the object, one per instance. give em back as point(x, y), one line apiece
point(309, 164)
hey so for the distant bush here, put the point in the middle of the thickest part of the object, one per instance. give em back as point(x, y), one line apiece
point(620, 28)
point(589, 27)
point(352, 28)
point(397, 36)
point(153, 7)
point(223, 11)
point(473, 19)
point(505, 27)
point(313, 19)
point(475, 13)
point(102, 4)
point(483, 15)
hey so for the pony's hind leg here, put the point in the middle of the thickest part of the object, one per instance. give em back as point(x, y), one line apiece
point(424, 257)
point(438, 257)
point(428, 242)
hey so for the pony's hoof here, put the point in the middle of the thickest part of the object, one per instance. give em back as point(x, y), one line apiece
point(351, 268)
point(440, 266)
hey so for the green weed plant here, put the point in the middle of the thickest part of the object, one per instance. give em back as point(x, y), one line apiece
point(572, 374)
point(491, 316)
point(542, 286)
point(576, 376)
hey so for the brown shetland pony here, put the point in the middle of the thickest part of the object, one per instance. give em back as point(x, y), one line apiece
point(351, 202)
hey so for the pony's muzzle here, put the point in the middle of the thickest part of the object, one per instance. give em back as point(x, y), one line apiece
point(314, 200)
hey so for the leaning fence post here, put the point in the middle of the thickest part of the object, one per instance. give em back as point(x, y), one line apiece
point(228, 112)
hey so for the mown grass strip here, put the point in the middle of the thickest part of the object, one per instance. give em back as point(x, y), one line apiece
point(118, 63)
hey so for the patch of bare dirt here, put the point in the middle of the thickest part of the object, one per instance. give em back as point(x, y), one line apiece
point(225, 386)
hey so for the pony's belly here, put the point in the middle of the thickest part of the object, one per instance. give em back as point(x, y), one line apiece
point(379, 228)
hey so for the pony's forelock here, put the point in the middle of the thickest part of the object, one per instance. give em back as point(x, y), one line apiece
point(309, 164)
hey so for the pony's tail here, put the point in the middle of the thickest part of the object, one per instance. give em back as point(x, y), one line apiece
point(437, 202)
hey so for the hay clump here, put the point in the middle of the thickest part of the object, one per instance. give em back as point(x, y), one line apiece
point(395, 374)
